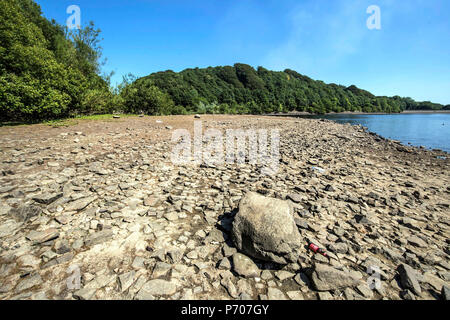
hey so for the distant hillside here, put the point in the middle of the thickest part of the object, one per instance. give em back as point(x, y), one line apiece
point(242, 89)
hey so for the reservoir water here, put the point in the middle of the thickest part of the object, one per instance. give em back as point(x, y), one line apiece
point(431, 130)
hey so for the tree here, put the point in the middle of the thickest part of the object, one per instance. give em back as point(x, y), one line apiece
point(44, 73)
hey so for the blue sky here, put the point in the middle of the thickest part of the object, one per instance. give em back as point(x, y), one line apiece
point(326, 40)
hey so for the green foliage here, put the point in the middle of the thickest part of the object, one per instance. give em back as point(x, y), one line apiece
point(145, 97)
point(240, 89)
point(44, 72)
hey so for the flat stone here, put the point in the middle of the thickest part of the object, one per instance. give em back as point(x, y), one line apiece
point(7, 189)
point(295, 295)
point(283, 275)
point(28, 283)
point(295, 197)
point(225, 264)
point(244, 266)
point(99, 237)
point(79, 204)
point(301, 223)
point(433, 281)
point(158, 287)
point(417, 242)
point(53, 164)
point(161, 269)
point(38, 237)
point(24, 213)
point(365, 291)
point(326, 278)
point(325, 296)
point(215, 236)
point(275, 294)
point(84, 294)
point(126, 280)
point(266, 275)
point(28, 260)
point(408, 278)
point(228, 251)
point(47, 198)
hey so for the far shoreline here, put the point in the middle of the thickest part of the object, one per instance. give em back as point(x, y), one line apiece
point(303, 113)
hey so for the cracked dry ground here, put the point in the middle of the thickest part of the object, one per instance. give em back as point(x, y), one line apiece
point(104, 197)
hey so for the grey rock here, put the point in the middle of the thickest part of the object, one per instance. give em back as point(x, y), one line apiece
point(225, 264)
point(407, 295)
point(339, 247)
point(161, 269)
point(84, 294)
point(7, 189)
point(228, 251)
point(365, 291)
point(417, 242)
point(326, 278)
point(79, 204)
point(295, 197)
point(215, 236)
point(295, 295)
point(99, 237)
point(158, 287)
point(24, 213)
point(29, 282)
point(138, 263)
point(275, 294)
point(408, 278)
point(231, 288)
point(61, 246)
point(445, 292)
point(244, 266)
point(301, 223)
point(47, 198)
point(126, 280)
point(266, 275)
point(38, 237)
point(264, 228)
point(324, 296)
point(283, 275)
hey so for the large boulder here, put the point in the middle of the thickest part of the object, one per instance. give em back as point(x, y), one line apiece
point(264, 229)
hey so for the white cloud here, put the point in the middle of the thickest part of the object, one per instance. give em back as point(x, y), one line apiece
point(321, 36)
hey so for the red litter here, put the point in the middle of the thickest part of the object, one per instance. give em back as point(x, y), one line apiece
point(316, 249)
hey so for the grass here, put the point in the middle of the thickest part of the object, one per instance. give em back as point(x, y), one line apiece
point(67, 121)
point(73, 121)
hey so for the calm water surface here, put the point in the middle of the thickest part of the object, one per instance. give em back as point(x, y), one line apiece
point(431, 130)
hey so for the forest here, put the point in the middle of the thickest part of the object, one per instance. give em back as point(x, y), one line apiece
point(244, 90)
point(49, 72)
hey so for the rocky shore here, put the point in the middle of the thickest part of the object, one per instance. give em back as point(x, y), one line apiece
point(97, 210)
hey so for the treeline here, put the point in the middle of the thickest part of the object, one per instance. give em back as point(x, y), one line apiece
point(242, 89)
point(48, 72)
point(45, 70)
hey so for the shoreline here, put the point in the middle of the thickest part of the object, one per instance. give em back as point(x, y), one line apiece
point(294, 114)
